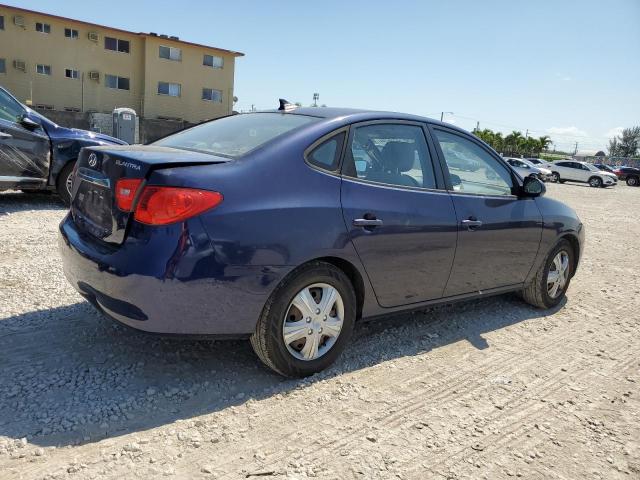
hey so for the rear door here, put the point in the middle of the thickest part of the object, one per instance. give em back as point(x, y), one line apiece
point(24, 154)
point(399, 216)
point(498, 233)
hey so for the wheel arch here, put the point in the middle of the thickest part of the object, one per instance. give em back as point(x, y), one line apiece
point(575, 245)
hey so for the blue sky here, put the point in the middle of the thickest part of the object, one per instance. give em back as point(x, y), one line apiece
point(569, 68)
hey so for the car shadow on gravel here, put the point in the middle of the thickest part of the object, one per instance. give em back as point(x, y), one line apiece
point(70, 376)
point(12, 201)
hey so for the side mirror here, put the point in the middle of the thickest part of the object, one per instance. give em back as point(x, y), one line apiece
point(533, 187)
point(29, 124)
point(455, 180)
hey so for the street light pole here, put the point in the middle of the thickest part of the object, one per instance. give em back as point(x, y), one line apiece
point(316, 97)
point(442, 115)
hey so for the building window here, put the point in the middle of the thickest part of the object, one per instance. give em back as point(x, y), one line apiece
point(71, 109)
point(212, 61)
point(113, 81)
point(43, 69)
point(3, 65)
point(71, 73)
point(41, 106)
point(171, 53)
point(43, 27)
point(71, 33)
point(1, 22)
point(212, 95)
point(116, 44)
point(171, 89)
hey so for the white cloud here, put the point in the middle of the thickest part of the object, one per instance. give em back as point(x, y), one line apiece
point(563, 77)
point(571, 131)
point(614, 132)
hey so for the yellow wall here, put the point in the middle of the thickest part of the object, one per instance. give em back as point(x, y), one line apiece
point(142, 66)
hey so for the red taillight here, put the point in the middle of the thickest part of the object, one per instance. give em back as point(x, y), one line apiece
point(163, 205)
point(126, 189)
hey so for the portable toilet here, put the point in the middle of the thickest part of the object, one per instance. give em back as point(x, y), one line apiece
point(124, 124)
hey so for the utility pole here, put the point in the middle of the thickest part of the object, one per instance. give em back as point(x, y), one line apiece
point(526, 135)
point(316, 97)
point(478, 125)
point(575, 150)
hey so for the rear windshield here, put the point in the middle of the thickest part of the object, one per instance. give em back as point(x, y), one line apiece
point(235, 135)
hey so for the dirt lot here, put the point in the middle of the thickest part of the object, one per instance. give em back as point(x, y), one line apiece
point(489, 389)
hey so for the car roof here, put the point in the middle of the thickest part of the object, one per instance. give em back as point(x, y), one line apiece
point(351, 115)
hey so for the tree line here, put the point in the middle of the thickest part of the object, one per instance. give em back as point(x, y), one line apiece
point(627, 144)
point(513, 143)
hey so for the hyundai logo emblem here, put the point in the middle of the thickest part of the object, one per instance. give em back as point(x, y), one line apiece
point(93, 160)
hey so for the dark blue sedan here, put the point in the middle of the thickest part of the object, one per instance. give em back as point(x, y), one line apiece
point(288, 226)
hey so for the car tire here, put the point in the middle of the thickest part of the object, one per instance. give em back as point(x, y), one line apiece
point(595, 182)
point(633, 181)
point(63, 184)
point(268, 340)
point(555, 177)
point(539, 293)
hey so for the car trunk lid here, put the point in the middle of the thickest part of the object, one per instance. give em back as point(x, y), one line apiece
point(98, 169)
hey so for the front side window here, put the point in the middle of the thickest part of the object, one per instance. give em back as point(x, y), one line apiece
point(213, 61)
point(170, 53)
point(473, 169)
point(71, 33)
point(71, 73)
point(10, 110)
point(43, 27)
point(327, 154)
point(391, 153)
point(171, 89)
point(116, 44)
point(212, 95)
point(235, 135)
point(43, 69)
point(113, 81)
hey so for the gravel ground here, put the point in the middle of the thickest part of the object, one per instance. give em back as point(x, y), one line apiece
point(488, 389)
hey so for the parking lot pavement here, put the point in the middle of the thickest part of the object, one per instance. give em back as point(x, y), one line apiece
point(487, 389)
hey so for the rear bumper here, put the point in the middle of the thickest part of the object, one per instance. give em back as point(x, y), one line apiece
point(167, 282)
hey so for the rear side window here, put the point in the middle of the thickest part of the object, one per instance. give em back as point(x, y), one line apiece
point(327, 154)
point(472, 169)
point(392, 154)
point(236, 135)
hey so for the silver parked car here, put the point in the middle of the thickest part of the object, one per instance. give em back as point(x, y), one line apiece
point(527, 169)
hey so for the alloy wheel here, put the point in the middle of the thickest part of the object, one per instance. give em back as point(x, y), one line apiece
point(69, 183)
point(313, 321)
point(558, 274)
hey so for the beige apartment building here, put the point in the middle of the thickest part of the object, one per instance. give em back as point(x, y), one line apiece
point(57, 63)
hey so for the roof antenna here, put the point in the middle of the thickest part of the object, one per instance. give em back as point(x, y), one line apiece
point(285, 105)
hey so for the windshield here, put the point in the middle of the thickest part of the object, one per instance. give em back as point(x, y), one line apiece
point(591, 167)
point(235, 135)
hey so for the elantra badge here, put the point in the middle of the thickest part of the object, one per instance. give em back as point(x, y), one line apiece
point(93, 160)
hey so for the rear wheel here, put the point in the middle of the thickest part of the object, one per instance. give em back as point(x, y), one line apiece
point(307, 322)
point(64, 183)
point(633, 181)
point(595, 182)
point(552, 279)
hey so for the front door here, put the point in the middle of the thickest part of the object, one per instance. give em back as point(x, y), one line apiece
point(498, 233)
point(399, 217)
point(24, 153)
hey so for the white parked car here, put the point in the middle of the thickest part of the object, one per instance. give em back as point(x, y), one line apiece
point(527, 169)
point(538, 162)
point(574, 171)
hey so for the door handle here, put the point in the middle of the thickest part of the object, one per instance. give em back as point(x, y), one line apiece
point(471, 223)
point(5, 136)
point(367, 222)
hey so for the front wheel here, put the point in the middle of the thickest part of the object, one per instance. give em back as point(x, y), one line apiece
point(633, 181)
point(552, 279)
point(64, 183)
point(307, 321)
point(555, 177)
point(595, 182)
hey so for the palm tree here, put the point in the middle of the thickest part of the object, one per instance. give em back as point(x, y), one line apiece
point(544, 142)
